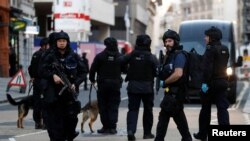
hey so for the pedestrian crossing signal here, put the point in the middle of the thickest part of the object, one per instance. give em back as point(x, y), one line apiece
point(18, 79)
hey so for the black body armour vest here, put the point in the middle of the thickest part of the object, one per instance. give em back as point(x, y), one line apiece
point(220, 63)
point(110, 68)
point(140, 67)
point(169, 68)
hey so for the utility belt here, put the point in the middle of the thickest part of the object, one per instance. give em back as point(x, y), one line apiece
point(172, 90)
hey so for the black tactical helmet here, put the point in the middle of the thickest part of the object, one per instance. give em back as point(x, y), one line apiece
point(143, 41)
point(171, 34)
point(44, 41)
point(52, 37)
point(214, 33)
point(111, 44)
point(62, 35)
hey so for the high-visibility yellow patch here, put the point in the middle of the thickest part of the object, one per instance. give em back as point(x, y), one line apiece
point(167, 89)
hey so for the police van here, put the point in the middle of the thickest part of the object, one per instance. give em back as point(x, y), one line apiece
point(192, 39)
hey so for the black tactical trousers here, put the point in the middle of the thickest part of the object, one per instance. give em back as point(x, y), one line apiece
point(61, 121)
point(37, 103)
point(171, 108)
point(179, 119)
point(219, 97)
point(109, 98)
point(134, 102)
point(85, 81)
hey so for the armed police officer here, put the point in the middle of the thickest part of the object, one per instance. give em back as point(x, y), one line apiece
point(173, 76)
point(142, 65)
point(36, 80)
point(106, 70)
point(214, 88)
point(64, 72)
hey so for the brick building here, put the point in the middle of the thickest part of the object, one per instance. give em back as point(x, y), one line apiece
point(4, 29)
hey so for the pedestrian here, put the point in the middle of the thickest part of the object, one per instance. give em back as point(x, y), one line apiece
point(36, 80)
point(173, 79)
point(12, 61)
point(106, 71)
point(142, 65)
point(214, 86)
point(64, 72)
point(86, 62)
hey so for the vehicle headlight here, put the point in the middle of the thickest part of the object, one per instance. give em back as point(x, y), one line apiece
point(229, 71)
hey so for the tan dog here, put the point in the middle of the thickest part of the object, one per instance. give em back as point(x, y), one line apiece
point(90, 110)
point(23, 108)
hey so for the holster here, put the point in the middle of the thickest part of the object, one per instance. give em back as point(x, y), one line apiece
point(169, 104)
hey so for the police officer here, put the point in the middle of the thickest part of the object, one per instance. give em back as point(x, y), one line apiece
point(173, 76)
point(36, 80)
point(61, 105)
point(86, 62)
point(106, 70)
point(142, 66)
point(214, 88)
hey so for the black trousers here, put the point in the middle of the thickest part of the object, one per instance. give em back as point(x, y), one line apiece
point(179, 119)
point(170, 107)
point(85, 81)
point(134, 102)
point(37, 102)
point(218, 96)
point(109, 98)
point(61, 121)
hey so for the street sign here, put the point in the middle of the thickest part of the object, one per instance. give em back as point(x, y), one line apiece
point(18, 79)
point(18, 25)
point(72, 15)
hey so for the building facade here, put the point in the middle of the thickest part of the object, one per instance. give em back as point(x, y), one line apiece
point(106, 19)
point(15, 50)
point(22, 15)
point(4, 32)
point(101, 14)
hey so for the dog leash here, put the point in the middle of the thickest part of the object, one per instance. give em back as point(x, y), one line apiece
point(90, 90)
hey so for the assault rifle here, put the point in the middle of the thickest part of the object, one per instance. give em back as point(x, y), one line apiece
point(67, 84)
point(159, 69)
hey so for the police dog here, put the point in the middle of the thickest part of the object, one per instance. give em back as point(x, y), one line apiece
point(90, 110)
point(23, 108)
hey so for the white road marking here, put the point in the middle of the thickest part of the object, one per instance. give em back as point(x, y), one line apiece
point(214, 119)
point(12, 139)
point(238, 100)
point(246, 117)
point(124, 98)
point(35, 133)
